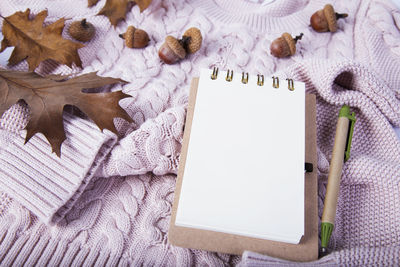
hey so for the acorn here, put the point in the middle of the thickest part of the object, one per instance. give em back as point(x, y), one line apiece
point(325, 20)
point(135, 38)
point(191, 40)
point(172, 50)
point(82, 30)
point(285, 45)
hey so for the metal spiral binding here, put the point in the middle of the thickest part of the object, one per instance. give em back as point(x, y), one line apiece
point(229, 75)
point(260, 79)
point(290, 84)
point(245, 79)
point(214, 74)
point(275, 82)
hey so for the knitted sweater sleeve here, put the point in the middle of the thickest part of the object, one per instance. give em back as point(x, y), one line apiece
point(49, 185)
point(44, 183)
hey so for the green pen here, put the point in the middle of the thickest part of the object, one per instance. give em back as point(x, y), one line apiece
point(343, 137)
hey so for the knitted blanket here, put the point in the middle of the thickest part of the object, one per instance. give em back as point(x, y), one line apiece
point(107, 199)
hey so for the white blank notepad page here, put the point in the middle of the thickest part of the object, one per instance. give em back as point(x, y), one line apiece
point(244, 171)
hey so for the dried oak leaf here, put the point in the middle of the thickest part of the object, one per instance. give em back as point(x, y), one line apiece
point(47, 96)
point(36, 43)
point(143, 4)
point(116, 10)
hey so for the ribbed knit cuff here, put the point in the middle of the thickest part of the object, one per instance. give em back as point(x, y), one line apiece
point(44, 183)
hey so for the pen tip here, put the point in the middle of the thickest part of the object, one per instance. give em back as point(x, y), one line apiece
point(323, 252)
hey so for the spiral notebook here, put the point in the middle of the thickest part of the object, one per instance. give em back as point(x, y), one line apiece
point(241, 181)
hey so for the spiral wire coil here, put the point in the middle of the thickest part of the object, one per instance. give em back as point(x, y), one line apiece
point(245, 79)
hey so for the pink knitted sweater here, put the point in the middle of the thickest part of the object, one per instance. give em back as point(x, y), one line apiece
point(107, 200)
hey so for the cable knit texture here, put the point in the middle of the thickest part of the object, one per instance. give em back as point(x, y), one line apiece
point(107, 200)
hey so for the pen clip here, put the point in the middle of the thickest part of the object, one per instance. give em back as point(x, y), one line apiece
point(345, 112)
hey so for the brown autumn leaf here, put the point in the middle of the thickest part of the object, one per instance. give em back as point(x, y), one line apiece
point(36, 43)
point(143, 4)
point(46, 98)
point(116, 10)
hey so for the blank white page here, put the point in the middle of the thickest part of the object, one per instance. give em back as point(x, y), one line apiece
point(244, 171)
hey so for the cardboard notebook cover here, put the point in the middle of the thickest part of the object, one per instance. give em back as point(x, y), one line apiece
point(306, 250)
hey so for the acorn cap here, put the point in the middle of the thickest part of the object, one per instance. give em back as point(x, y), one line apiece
point(290, 42)
point(81, 30)
point(128, 36)
point(330, 16)
point(194, 43)
point(175, 46)
point(135, 38)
